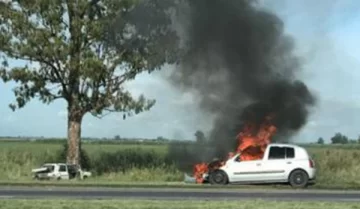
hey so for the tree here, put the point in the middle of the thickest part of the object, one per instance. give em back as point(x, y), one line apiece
point(200, 137)
point(85, 51)
point(338, 138)
point(320, 140)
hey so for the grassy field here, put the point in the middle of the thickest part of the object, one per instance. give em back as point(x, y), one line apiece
point(110, 162)
point(152, 204)
point(338, 166)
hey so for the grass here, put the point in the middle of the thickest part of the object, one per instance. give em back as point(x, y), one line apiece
point(124, 162)
point(120, 164)
point(153, 204)
point(337, 167)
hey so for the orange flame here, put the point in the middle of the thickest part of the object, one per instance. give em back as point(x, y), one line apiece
point(251, 145)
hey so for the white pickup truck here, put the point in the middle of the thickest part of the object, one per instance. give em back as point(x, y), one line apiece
point(282, 163)
point(59, 171)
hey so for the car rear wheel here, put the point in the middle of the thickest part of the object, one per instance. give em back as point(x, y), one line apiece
point(218, 177)
point(298, 179)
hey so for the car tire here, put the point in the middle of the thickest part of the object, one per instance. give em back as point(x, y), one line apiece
point(218, 177)
point(298, 179)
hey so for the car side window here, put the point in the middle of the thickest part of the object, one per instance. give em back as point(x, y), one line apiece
point(277, 153)
point(290, 153)
point(62, 168)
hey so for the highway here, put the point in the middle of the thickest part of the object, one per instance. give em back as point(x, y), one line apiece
point(176, 194)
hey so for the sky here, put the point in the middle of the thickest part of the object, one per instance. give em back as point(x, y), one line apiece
point(326, 37)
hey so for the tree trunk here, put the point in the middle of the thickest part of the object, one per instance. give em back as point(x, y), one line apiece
point(74, 136)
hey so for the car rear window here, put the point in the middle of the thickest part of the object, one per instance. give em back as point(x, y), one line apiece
point(290, 152)
point(281, 153)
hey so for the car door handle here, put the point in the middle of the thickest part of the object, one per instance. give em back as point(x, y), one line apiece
point(258, 164)
point(289, 162)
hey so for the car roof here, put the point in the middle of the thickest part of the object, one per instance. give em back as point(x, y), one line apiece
point(53, 164)
point(284, 145)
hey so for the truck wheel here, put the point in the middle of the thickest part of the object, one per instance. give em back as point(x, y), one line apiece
point(218, 177)
point(298, 179)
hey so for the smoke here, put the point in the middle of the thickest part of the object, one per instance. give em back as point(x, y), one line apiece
point(242, 66)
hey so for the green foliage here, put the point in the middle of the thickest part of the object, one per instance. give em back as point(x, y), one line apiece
point(85, 51)
point(337, 164)
point(320, 140)
point(85, 162)
point(124, 160)
point(338, 138)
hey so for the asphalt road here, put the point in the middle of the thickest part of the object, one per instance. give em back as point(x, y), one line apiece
point(176, 194)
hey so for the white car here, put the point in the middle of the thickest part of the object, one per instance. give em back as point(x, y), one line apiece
point(59, 171)
point(282, 163)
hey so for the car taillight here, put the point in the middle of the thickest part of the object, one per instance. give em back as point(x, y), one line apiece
point(311, 163)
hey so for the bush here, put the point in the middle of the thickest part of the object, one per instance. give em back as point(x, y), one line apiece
point(124, 160)
point(85, 161)
point(119, 161)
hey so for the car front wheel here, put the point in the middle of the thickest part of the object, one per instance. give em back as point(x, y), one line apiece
point(218, 177)
point(298, 179)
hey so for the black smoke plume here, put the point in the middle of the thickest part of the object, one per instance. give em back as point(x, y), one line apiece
point(242, 65)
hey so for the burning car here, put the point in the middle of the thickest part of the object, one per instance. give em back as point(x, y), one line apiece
point(282, 163)
point(59, 171)
point(257, 160)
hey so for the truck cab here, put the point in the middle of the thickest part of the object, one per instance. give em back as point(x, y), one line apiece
point(281, 163)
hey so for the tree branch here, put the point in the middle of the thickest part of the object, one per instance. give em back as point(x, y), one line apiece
point(42, 59)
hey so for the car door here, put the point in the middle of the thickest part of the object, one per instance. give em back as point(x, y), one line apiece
point(244, 171)
point(63, 171)
point(274, 165)
point(290, 161)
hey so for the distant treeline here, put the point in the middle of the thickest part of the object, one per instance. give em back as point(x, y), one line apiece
point(340, 138)
point(93, 140)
